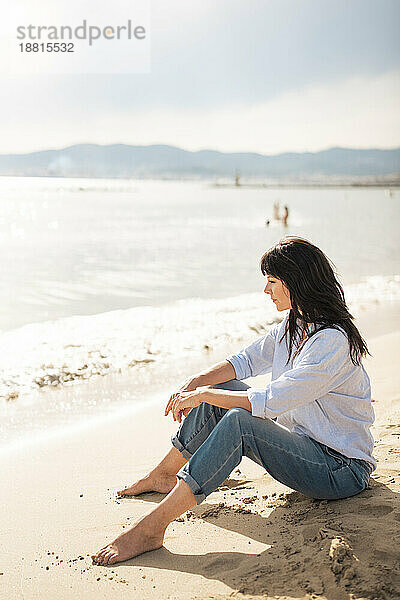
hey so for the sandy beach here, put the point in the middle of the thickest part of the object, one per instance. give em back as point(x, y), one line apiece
point(180, 182)
point(251, 538)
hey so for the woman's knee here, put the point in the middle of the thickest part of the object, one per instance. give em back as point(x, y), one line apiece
point(238, 414)
point(205, 411)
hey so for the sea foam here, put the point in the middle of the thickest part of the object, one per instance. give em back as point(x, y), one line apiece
point(63, 351)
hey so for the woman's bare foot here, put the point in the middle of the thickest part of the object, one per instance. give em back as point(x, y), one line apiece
point(148, 533)
point(131, 543)
point(154, 482)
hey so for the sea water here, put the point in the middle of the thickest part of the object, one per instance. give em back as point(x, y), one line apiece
point(108, 277)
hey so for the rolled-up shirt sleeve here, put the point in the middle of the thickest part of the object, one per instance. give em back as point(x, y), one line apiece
point(322, 364)
point(255, 359)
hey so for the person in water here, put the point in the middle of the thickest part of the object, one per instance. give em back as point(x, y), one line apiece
point(309, 428)
point(285, 215)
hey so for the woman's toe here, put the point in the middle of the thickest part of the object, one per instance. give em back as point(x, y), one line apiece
point(108, 557)
point(102, 559)
point(99, 557)
point(113, 559)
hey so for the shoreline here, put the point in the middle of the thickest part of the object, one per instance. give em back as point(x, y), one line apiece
point(80, 404)
point(390, 180)
point(60, 352)
point(252, 537)
point(390, 184)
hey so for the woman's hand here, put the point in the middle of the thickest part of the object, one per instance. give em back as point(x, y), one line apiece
point(189, 385)
point(181, 403)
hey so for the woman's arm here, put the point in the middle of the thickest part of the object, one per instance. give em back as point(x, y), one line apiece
point(251, 361)
point(218, 373)
point(226, 398)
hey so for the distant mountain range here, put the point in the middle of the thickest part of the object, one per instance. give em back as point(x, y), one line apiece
point(161, 161)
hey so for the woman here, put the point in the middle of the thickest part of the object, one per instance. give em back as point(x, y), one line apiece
point(309, 428)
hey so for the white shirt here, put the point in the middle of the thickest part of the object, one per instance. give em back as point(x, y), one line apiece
point(319, 393)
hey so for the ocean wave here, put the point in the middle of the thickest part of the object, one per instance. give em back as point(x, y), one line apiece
point(61, 352)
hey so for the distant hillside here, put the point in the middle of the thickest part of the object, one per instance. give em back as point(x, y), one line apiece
point(119, 160)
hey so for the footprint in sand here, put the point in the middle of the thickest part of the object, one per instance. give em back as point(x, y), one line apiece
point(377, 510)
point(220, 565)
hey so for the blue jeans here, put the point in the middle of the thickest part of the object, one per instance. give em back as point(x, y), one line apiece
point(214, 440)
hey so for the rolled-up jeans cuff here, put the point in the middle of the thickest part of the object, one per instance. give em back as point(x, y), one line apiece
point(185, 453)
point(192, 483)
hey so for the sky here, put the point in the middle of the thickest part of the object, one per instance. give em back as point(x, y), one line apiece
point(266, 76)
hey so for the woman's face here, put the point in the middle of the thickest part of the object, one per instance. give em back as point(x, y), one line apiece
point(278, 292)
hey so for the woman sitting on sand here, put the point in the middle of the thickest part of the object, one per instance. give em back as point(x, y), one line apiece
point(309, 428)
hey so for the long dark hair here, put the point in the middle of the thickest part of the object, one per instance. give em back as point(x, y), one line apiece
point(316, 295)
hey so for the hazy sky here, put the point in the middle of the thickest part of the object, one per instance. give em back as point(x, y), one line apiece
point(235, 75)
